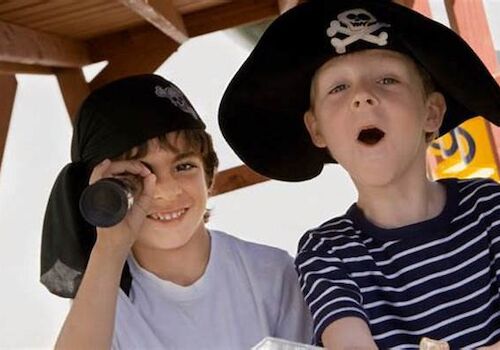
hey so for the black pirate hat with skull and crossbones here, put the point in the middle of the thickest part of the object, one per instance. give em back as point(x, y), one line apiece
point(261, 113)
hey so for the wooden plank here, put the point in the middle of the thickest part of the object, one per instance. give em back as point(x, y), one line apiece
point(73, 87)
point(8, 86)
point(188, 6)
point(118, 44)
point(75, 19)
point(126, 42)
point(285, 5)
point(27, 46)
point(229, 15)
point(137, 51)
point(17, 68)
point(98, 24)
point(236, 178)
point(161, 14)
point(468, 18)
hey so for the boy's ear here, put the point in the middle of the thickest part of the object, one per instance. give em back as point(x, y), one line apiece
point(436, 108)
point(313, 129)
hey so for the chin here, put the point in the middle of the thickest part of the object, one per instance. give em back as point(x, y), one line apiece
point(374, 177)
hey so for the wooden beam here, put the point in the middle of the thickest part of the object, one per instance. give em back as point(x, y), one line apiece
point(229, 15)
point(147, 38)
point(73, 87)
point(8, 87)
point(285, 5)
point(468, 18)
point(135, 51)
point(18, 68)
point(235, 178)
point(162, 14)
point(26, 46)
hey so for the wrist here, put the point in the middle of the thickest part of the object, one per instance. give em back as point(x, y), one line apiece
point(111, 249)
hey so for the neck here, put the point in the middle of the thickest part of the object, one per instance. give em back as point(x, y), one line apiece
point(403, 203)
point(183, 265)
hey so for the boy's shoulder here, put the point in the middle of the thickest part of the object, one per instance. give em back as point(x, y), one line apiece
point(475, 195)
point(252, 250)
point(475, 185)
point(338, 229)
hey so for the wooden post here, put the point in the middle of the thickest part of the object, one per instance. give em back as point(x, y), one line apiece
point(8, 87)
point(468, 18)
point(73, 87)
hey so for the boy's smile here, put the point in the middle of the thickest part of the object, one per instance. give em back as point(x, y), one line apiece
point(167, 216)
point(370, 110)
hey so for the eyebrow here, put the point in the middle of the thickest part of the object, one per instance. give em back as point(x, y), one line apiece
point(178, 157)
point(184, 155)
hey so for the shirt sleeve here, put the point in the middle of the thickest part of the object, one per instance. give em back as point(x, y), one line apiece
point(327, 288)
point(294, 322)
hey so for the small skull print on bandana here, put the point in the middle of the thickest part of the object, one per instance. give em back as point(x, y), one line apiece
point(177, 98)
point(356, 24)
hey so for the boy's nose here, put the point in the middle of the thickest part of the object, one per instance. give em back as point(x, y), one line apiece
point(364, 99)
point(167, 188)
point(369, 101)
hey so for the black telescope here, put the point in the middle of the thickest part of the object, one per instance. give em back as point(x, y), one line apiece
point(106, 202)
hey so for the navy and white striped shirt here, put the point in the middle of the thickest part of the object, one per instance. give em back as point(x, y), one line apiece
point(438, 278)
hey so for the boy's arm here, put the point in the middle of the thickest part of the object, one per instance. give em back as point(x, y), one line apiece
point(90, 322)
point(334, 299)
point(91, 319)
point(348, 333)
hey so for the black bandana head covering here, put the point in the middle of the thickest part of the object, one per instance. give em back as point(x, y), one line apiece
point(112, 120)
point(261, 113)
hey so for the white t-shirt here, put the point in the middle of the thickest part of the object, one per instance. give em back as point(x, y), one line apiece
point(248, 291)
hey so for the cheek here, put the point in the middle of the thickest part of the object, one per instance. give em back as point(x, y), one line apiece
point(196, 186)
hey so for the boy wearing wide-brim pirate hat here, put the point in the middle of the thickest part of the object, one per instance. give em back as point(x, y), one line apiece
point(368, 84)
point(182, 286)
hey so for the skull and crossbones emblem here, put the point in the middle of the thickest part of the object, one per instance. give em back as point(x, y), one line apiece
point(177, 98)
point(357, 24)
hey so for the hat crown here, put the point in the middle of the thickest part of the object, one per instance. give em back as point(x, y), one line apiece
point(262, 111)
point(128, 112)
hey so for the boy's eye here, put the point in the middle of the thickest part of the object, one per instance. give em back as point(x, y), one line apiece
point(337, 88)
point(387, 81)
point(185, 166)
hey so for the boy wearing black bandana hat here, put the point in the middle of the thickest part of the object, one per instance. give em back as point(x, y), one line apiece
point(159, 278)
point(368, 84)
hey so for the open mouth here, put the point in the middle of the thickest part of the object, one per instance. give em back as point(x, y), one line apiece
point(167, 216)
point(371, 136)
